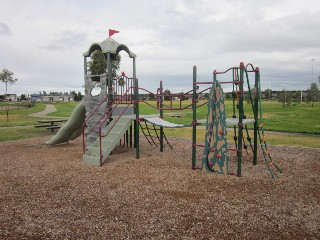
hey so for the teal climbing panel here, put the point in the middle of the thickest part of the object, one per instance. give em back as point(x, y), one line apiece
point(215, 156)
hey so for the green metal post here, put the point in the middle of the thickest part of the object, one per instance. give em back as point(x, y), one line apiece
point(255, 113)
point(161, 116)
point(240, 124)
point(194, 117)
point(110, 98)
point(136, 110)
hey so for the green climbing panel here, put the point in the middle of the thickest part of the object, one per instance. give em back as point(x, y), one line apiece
point(215, 156)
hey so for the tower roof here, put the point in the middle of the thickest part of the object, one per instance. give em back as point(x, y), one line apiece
point(109, 46)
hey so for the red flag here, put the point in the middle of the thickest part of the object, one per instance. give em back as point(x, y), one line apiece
point(111, 32)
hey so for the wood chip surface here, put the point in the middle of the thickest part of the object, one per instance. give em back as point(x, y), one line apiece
point(49, 193)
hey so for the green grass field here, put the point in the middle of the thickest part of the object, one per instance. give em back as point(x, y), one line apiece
point(20, 117)
point(301, 118)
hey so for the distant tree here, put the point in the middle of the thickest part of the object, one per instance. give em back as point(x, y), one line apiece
point(79, 96)
point(285, 97)
point(23, 97)
point(228, 95)
point(151, 96)
point(115, 65)
point(98, 64)
point(313, 94)
point(246, 95)
point(268, 93)
point(76, 96)
point(167, 98)
point(6, 77)
point(282, 97)
point(295, 97)
point(182, 96)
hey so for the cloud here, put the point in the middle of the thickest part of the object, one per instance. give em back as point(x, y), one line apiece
point(169, 37)
point(66, 40)
point(4, 29)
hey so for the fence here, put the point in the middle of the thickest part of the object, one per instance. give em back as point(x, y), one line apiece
point(9, 107)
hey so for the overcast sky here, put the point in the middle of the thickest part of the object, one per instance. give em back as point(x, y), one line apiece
point(42, 42)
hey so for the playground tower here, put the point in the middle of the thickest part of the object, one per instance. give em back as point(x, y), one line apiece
point(101, 108)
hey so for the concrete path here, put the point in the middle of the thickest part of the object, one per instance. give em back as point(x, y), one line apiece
point(50, 108)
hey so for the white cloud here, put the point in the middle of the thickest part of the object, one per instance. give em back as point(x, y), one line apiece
point(43, 41)
point(4, 29)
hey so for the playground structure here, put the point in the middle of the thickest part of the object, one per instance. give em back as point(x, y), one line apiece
point(216, 149)
point(113, 114)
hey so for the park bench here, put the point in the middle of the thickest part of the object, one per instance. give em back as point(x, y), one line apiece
point(50, 124)
point(178, 115)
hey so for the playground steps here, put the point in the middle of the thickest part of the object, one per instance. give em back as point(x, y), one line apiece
point(116, 129)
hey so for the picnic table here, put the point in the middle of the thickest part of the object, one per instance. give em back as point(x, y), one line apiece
point(50, 124)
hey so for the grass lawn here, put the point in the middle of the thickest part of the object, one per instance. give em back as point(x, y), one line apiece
point(20, 117)
point(64, 109)
point(300, 118)
point(10, 134)
point(272, 138)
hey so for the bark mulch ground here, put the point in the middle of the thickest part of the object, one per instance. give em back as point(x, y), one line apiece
point(49, 193)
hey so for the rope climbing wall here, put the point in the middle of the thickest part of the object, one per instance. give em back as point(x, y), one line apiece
point(215, 156)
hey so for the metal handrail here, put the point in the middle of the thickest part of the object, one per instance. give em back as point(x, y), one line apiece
point(86, 120)
point(100, 135)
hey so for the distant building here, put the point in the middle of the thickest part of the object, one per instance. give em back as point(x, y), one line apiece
point(53, 97)
point(8, 97)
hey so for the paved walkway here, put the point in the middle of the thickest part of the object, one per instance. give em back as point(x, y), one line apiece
point(50, 108)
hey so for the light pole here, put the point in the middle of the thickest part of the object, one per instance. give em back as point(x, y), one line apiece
point(269, 92)
point(312, 69)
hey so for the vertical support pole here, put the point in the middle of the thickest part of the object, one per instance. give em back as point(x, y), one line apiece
point(85, 71)
point(130, 135)
point(255, 114)
point(127, 138)
point(85, 66)
point(240, 124)
point(194, 117)
point(161, 116)
point(136, 110)
point(109, 83)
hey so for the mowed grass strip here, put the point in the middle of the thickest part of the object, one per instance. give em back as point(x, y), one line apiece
point(271, 138)
point(16, 133)
point(20, 117)
point(64, 109)
point(300, 118)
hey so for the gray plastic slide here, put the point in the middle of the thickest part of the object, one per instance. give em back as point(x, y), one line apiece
point(72, 129)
